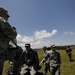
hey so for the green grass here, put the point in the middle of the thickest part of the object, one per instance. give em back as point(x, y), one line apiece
point(66, 68)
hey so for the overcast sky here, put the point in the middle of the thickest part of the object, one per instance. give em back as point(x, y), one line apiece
point(42, 22)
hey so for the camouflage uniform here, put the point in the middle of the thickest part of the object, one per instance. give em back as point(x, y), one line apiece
point(54, 58)
point(68, 51)
point(46, 63)
point(6, 33)
point(30, 62)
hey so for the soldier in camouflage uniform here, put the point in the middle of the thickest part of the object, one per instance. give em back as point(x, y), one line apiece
point(30, 61)
point(6, 33)
point(69, 53)
point(45, 61)
point(54, 58)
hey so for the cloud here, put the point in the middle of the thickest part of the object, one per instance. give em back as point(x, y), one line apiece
point(44, 34)
point(69, 33)
point(23, 39)
point(37, 40)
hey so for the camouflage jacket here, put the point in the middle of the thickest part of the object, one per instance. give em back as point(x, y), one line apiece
point(54, 58)
point(6, 33)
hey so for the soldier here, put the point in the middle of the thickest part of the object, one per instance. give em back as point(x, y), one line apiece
point(45, 61)
point(68, 51)
point(30, 61)
point(6, 33)
point(54, 58)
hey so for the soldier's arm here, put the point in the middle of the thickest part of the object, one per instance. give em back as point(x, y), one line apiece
point(43, 60)
point(10, 31)
point(7, 30)
point(36, 57)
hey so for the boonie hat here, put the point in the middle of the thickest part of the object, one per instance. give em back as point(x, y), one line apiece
point(2, 10)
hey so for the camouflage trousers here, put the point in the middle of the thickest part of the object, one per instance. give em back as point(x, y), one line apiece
point(55, 70)
point(25, 70)
point(70, 56)
point(46, 68)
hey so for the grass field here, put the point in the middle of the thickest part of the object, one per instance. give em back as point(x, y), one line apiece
point(66, 68)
